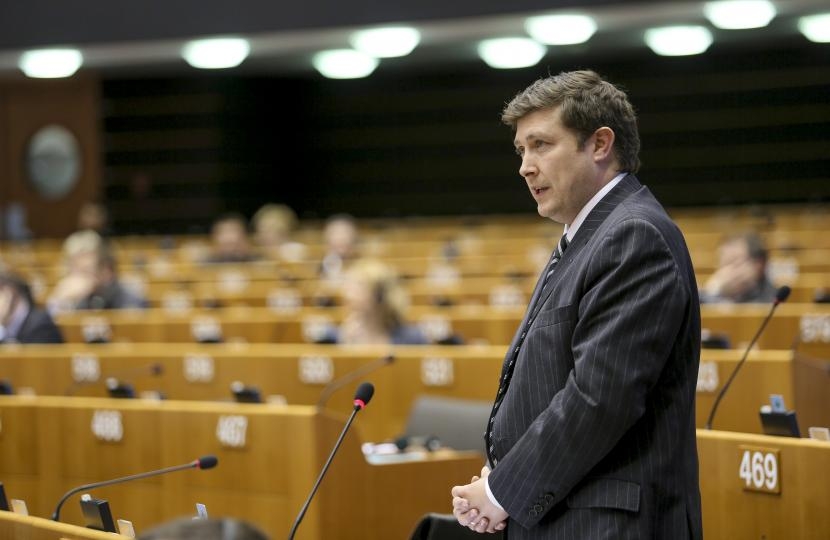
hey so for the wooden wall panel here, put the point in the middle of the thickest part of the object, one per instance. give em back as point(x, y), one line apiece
point(27, 105)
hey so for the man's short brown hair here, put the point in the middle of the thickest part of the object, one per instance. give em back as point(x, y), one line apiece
point(587, 103)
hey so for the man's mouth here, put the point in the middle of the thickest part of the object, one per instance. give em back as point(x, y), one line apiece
point(539, 190)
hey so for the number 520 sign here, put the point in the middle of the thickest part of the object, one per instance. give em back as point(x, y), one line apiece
point(760, 469)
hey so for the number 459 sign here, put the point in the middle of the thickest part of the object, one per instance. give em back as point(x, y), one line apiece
point(760, 470)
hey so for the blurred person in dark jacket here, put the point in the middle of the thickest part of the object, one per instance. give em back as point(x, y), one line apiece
point(741, 276)
point(21, 321)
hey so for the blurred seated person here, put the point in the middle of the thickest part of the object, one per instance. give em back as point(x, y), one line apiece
point(229, 240)
point(375, 306)
point(204, 529)
point(21, 321)
point(741, 276)
point(273, 225)
point(91, 280)
point(341, 237)
point(94, 216)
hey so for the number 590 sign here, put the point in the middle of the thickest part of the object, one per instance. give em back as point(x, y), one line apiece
point(759, 469)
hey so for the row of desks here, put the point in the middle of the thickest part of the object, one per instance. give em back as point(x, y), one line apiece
point(269, 457)
point(807, 325)
point(298, 374)
point(290, 295)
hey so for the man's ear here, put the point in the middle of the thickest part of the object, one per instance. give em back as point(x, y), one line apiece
point(603, 143)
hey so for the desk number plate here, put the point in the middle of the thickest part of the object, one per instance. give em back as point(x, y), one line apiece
point(760, 469)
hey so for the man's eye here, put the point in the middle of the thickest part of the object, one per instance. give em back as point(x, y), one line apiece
point(539, 144)
point(520, 151)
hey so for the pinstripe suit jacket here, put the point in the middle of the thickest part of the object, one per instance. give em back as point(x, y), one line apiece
point(595, 436)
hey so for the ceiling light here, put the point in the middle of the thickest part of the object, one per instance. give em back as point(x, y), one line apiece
point(216, 53)
point(678, 40)
point(386, 42)
point(739, 14)
point(344, 64)
point(561, 29)
point(816, 27)
point(509, 53)
point(50, 63)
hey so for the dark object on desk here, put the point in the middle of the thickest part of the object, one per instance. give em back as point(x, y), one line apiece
point(710, 340)
point(120, 390)
point(245, 394)
point(97, 514)
point(451, 339)
point(4, 502)
point(782, 424)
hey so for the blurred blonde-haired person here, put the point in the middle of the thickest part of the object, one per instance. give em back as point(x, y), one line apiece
point(273, 225)
point(91, 277)
point(341, 238)
point(376, 306)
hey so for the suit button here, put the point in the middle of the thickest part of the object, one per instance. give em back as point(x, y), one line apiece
point(548, 498)
point(538, 507)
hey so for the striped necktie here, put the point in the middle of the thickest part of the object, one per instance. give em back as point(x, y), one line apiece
point(557, 254)
point(508, 371)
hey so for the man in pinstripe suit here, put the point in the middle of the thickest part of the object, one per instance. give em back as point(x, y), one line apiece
point(592, 433)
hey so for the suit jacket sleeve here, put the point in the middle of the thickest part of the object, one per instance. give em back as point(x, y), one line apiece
point(629, 314)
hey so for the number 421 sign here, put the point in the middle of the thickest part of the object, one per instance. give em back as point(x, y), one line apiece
point(760, 469)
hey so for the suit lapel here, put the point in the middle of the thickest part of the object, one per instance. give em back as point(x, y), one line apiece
point(595, 218)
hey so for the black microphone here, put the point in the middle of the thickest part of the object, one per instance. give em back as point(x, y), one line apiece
point(204, 462)
point(781, 296)
point(154, 370)
point(337, 384)
point(362, 397)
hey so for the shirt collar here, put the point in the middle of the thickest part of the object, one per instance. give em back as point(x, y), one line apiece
point(570, 230)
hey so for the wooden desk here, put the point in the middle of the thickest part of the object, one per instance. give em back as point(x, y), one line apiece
point(299, 372)
point(804, 384)
point(263, 325)
point(34, 528)
point(807, 323)
point(50, 444)
point(798, 511)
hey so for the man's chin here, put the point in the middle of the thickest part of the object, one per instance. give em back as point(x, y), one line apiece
point(548, 213)
point(544, 211)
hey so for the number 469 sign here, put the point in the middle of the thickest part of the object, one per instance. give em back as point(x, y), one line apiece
point(760, 469)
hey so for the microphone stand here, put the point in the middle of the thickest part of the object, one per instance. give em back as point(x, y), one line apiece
point(741, 363)
point(139, 476)
point(349, 377)
point(301, 515)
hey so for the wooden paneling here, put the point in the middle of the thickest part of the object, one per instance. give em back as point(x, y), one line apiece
point(27, 105)
point(798, 512)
